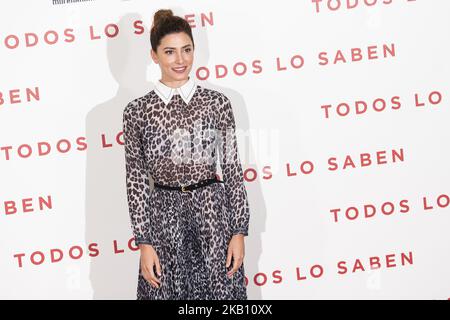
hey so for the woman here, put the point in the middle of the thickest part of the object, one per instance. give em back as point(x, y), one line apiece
point(190, 229)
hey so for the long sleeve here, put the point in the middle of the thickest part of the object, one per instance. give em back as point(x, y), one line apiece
point(233, 175)
point(137, 176)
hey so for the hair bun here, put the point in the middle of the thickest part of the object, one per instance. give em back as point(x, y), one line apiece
point(164, 23)
point(161, 15)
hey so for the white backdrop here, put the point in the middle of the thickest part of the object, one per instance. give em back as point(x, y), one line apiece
point(342, 112)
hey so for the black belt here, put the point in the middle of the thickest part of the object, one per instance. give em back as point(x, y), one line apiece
point(199, 184)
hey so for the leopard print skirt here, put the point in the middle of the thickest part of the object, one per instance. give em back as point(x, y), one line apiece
point(192, 241)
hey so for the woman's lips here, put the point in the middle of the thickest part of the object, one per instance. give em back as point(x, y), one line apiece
point(179, 70)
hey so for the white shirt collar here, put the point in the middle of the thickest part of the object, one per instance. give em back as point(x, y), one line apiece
point(186, 91)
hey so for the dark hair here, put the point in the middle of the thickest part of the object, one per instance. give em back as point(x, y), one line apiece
point(164, 23)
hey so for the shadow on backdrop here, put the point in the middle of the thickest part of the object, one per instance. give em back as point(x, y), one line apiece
point(114, 275)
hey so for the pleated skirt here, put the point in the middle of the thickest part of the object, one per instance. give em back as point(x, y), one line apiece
point(190, 232)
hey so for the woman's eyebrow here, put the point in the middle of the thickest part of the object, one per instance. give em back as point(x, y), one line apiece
point(175, 48)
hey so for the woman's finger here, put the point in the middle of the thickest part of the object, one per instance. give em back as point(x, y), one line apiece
point(158, 266)
point(154, 284)
point(147, 277)
point(236, 264)
point(153, 277)
point(229, 256)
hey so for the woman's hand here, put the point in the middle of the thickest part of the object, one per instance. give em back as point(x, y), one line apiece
point(236, 249)
point(149, 258)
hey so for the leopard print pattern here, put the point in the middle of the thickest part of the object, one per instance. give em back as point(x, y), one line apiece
point(177, 144)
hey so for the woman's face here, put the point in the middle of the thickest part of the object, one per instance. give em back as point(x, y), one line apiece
point(175, 51)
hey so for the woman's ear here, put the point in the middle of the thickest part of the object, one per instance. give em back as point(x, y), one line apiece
point(154, 56)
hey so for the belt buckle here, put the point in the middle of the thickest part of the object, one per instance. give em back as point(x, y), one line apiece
point(183, 188)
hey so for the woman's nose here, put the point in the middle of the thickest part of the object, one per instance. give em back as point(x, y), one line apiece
point(179, 58)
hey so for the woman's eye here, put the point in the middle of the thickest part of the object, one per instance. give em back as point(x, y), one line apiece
point(171, 51)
